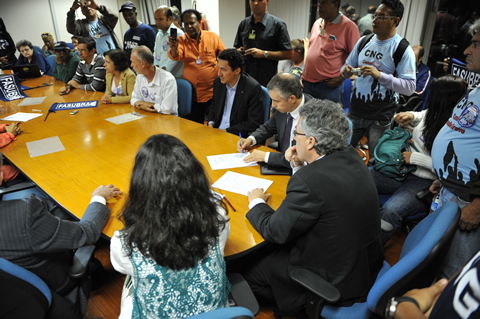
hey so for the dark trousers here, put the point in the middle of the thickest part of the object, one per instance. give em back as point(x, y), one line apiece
point(199, 110)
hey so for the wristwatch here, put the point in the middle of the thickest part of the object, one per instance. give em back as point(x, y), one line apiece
point(392, 305)
point(265, 54)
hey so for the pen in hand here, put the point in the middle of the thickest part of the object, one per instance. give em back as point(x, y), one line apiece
point(241, 143)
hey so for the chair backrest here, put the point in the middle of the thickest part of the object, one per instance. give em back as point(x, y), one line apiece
point(70, 45)
point(37, 49)
point(226, 313)
point(23, 294)
point(347, 93)
point(51, 61)
point(184, 91)
point(423, 252)
point(266, 104)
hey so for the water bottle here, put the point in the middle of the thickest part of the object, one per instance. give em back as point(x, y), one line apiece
point(434, 205)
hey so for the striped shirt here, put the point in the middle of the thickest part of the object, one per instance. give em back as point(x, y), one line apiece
point(92, 77)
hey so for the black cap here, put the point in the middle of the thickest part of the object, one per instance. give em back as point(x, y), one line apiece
point(61, 45)
point(128, 6)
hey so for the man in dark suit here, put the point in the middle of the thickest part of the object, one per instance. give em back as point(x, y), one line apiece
point(237, 103)
point(329, 221)
point(38, 235)
point(285, 91)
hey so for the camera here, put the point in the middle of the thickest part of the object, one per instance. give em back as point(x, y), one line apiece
point(356, 71)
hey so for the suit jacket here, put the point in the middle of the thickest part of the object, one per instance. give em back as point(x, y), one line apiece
point(34, 236)
point(328, 223)
point(247, 108)
point(276, 124)
point(127, 79)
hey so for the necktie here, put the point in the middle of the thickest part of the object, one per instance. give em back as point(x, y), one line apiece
point(286, 135)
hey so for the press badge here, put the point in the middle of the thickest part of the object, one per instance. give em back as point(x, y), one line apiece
point(252, 35)
point(198, 61)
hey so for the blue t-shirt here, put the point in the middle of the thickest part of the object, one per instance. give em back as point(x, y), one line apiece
point(456, 149)
point(102, 37)
point(370, 98)
point(141, 35)
point(461, 297)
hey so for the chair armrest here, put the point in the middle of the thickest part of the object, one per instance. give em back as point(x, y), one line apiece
point(316, 284)
point(426, 196)
point(16, 187)
point(80, 261)
point(242, 294)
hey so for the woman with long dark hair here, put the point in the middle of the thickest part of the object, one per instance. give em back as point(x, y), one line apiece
point(174, 235)
point(444, 94)
point(7, 48)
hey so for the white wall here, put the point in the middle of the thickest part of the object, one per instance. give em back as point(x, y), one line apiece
point(209, 8)
point(28, 19)
point(230, 15)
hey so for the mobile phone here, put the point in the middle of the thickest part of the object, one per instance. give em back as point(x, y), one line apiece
point(64, 93)
point(74, 112)
point(173, 33)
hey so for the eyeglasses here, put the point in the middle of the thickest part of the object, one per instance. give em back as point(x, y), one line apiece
point(295, 133)
point(25, 50)
point(381, 18)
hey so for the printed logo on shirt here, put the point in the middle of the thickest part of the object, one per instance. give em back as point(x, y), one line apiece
point(158, 58)
point(136, 37)
point(165, 46)
point(468, 117)
point(129, 45)
point(145, 92)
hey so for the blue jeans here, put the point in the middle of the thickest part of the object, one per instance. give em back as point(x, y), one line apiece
point(321, 90)
point(465, 243)
point(403, 201)
point(373, 129)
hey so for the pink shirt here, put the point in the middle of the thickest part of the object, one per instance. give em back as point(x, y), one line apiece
point(327, 53)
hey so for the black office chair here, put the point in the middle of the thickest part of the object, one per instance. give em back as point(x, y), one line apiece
point(422, 254)
point(25, 295)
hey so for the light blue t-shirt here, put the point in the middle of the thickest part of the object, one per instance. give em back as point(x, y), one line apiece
point(161, 53)
point(370, 98)
point(102, 37)
point(456, 149)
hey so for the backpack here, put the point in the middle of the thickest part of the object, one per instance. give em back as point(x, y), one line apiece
point(388, 154)
point(397, 56)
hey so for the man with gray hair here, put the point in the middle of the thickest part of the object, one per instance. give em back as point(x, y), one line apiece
point(285, 90)
point(155, 89)
point(455, 159)
point(329, 221)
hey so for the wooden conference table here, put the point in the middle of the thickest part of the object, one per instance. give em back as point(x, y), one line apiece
point(99, 152)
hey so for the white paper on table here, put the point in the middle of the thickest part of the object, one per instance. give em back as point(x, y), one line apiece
point(124, 118)
point(21, 117)
point(240, 183)
point(226, 161)
point(32, 101)
point(45, 146)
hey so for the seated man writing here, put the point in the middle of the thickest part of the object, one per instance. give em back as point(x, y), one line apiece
point(285, 91)
point(329, 221)
point(90, 74)
point(155, 89)
point(237, 103)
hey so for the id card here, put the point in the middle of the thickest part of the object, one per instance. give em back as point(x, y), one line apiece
point(252, 35)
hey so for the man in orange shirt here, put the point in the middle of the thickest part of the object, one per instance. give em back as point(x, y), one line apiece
point(198, 50)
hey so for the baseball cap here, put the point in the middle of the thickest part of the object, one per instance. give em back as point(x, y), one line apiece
point(129, 5)
point(61, 45)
